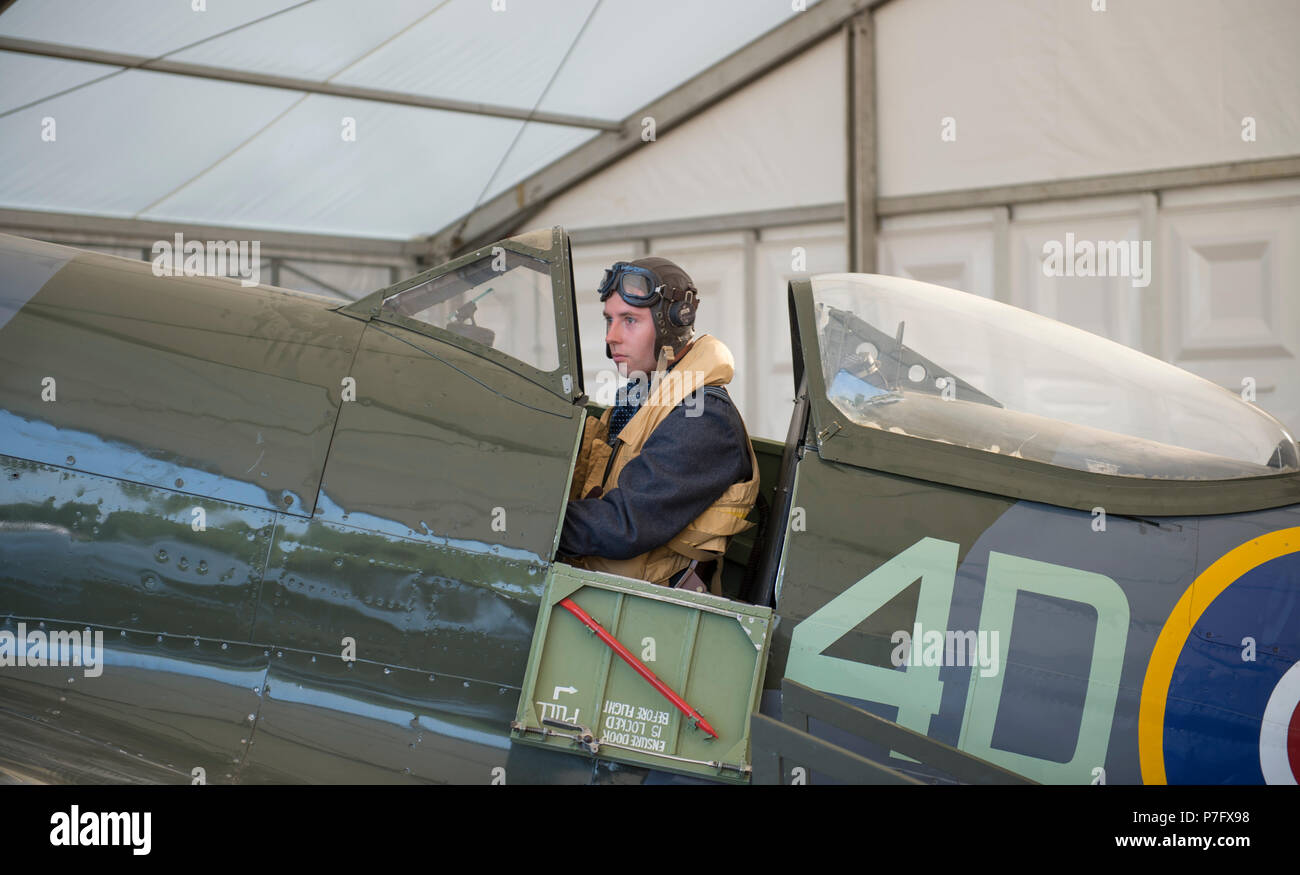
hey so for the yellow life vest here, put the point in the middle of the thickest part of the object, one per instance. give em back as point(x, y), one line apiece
point(707, 362)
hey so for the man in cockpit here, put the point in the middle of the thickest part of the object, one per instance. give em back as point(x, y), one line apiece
point(667, 475)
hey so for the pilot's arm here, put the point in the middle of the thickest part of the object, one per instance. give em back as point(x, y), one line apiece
point(685, 465)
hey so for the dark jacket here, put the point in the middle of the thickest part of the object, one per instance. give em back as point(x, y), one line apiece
point(686, 464)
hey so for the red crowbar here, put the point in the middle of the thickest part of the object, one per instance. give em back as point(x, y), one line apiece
point(639, 667)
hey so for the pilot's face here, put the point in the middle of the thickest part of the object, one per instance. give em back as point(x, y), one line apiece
point(630, 333)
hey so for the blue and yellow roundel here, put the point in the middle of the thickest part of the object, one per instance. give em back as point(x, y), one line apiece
point(1221, 698)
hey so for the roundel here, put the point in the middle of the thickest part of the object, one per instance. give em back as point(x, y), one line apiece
point(1221, 698)
point(1279, 734)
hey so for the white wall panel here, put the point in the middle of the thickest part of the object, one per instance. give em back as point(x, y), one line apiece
point(954, 250)
point(1232, 259)
point(772, 363)
point(1109, 306)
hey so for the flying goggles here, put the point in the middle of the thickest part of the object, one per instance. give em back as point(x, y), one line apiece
point(637, 285)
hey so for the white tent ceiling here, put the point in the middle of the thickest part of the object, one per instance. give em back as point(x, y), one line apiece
point(146, 144)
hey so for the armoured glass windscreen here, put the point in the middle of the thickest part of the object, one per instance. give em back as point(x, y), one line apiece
point(503, 301)
point(929, 362)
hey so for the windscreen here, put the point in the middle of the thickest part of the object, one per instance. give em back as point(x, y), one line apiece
point(503, 301)
point(948, 366)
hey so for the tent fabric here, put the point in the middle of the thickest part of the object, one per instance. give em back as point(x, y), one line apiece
point(777, 143)
point(1052, 89)
point(151, 145)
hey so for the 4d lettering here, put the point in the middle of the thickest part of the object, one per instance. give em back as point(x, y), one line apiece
point(917, 691)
